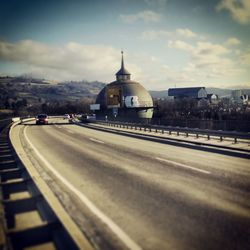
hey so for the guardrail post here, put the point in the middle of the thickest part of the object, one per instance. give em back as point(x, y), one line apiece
point(196, 133)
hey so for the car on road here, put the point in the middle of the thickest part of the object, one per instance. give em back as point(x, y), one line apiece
point(71, 118)
point(42, 119)
point(66, 116)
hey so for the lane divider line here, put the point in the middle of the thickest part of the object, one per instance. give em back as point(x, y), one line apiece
point(183, 165)
point(95, 140)
point(114, 227)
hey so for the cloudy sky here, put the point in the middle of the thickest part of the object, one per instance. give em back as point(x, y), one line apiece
point(166, 43)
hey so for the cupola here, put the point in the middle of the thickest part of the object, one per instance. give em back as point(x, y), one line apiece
point(122, 74)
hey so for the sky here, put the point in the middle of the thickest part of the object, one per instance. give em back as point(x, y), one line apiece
point(166, 43)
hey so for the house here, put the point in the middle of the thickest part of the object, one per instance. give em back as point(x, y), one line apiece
point(213, 99)
point(194, 92)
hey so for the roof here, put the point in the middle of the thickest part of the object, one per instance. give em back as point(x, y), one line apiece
point(122, 71)
point(184, 92)
point(128, 88)
point(117, 83)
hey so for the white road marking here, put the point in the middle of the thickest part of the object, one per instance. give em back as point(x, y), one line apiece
point(95, 140)
point(183, 165)
point(115, 228)
point(70, 131)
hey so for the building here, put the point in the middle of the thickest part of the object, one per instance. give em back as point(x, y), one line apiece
point(195, 92)
point(240, 97)
point(236, 96)
point(124, 99)
point(213, 99)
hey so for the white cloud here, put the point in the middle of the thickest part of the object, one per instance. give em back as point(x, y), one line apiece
point(155, 34)
point(207, 59)
point(211, 58)
point(239, 9)
point(186, 33)
point(245, 59)
point(208, 48)
point(174, 34)
point(72, 61)
point(146, 16)
point(178, 44)
point(75, 61)
point(233, 41)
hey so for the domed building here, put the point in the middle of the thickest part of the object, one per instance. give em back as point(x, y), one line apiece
point(124, 99)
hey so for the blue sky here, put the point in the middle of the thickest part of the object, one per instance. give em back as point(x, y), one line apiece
point(166, 43)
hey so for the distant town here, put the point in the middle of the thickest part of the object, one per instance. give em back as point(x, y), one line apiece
point(211, 108)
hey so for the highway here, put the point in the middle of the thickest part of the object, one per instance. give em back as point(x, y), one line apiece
point(125, 192)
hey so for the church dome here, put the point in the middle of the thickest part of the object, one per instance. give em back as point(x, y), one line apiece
point(128, 98)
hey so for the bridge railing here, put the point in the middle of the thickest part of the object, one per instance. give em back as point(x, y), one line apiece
point(221, 135)
point(52, 225)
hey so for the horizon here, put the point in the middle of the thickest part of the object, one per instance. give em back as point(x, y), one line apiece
point(166, 43)
point(49, 81)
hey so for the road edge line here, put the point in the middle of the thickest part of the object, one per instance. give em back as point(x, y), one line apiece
point(77, 235)
point(114, 228)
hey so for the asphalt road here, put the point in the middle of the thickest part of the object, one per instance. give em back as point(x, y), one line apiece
point(145, 194)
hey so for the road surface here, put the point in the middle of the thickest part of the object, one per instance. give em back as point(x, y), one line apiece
point(129, 193)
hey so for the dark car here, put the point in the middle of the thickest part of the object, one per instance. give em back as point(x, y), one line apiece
point(42, 119)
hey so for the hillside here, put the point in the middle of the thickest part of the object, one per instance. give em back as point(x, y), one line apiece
point(26, 95)
point(35, 91)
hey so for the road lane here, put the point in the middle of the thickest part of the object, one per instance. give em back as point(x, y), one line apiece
point(118, 231)
point(95, 140)
point(182, 165)
point(158, 205)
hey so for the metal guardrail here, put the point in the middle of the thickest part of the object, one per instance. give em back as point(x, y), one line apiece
point(4, 123)
point(222, 135)
point(21, 197)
